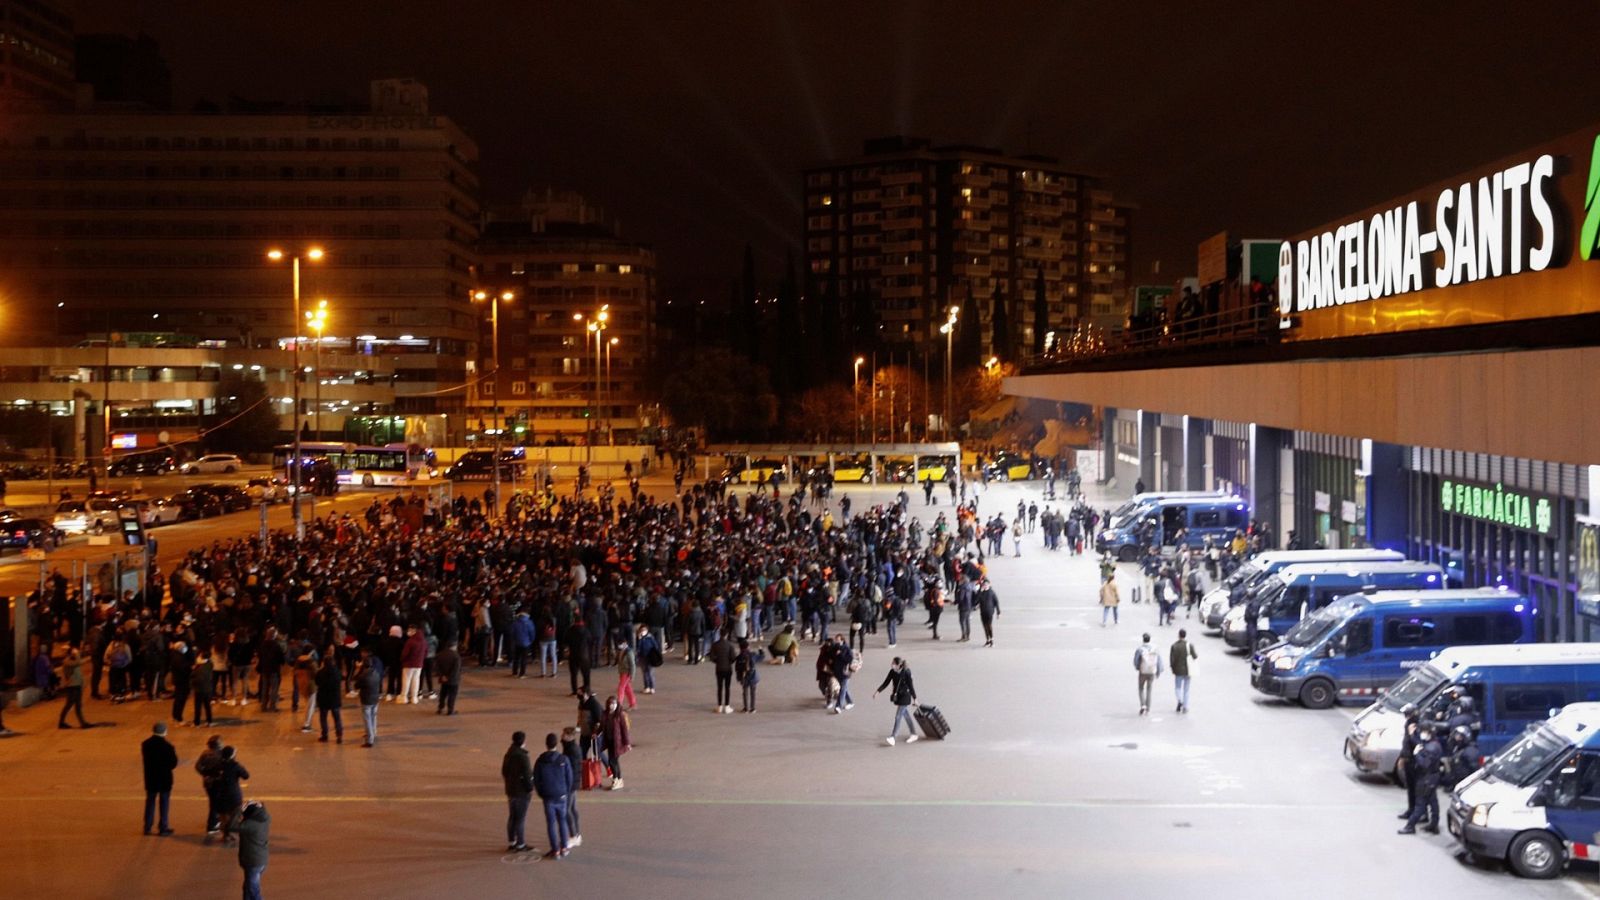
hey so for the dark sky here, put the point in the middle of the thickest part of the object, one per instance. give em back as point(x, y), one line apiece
point(690, 120)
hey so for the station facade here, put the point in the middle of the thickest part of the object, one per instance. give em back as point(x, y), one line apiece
point(1417, 384)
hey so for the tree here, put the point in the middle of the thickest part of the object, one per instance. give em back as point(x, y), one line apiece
point(722, 392)
point(824, 413)
point(1000, 343)
point(245, 421)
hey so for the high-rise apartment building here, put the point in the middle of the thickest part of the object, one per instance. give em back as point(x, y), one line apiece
point(912, 229)
point(137, 221)
point(567, 266)
point(36, 51)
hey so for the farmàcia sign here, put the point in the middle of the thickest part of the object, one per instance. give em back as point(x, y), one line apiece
point(1504, 223)
point(1498, 505)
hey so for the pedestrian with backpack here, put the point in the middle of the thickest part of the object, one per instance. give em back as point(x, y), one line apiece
point(1147, 662)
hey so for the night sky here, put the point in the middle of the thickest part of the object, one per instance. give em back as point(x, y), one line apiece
point(691, 120)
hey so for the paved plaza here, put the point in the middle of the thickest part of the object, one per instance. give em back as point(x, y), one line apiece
point(1051, 784)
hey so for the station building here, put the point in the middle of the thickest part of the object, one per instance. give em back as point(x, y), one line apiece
point(1412, 378)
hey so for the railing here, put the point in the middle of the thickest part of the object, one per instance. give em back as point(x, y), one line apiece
point(1157, 333)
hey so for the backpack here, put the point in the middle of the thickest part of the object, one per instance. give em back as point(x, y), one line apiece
point(1148, 661)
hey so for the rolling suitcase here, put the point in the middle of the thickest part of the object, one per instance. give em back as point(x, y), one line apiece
point(931, 722)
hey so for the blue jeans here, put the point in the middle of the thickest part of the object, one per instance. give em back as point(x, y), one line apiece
point(649, 677)
point(844, 691)
point(572, 816)
point(517, 818)
point(890, 623)
point(1108, 612)
point(555, 822)
point(369, 721)
point(1180, 684)
point(252, 882)
point(902, 714)
point(547, 658)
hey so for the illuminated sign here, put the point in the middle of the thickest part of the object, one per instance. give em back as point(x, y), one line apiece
point(124, 441)
point(1498, 505)
point(1502, 224)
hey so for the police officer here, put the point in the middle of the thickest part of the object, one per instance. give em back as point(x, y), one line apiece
point(1252, 616)
point(1462, 759)
point(1463, 714)
point(1425, 764)
point(1408, 746)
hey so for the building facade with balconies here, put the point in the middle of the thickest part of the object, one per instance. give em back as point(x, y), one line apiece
point(912, 228)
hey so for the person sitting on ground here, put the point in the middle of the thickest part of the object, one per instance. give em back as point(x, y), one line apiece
point(784, 648)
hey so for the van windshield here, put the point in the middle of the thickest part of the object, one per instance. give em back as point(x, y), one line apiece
point(1314, 628)
point(1521, 763)
point(1268, 592)
point(1241, 576)
point(1411, 690)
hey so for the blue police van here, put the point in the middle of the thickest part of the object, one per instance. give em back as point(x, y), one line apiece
point(1349, 650)
point(1511, 687)
point(1235, 588)
point(1298, 590)
point(1167, 522)
point(1536, 803)
point(1138, 502)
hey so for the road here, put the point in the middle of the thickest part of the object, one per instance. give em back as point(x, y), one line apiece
point(1051, 785)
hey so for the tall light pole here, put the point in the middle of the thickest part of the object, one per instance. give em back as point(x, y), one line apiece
point(611, 434)
point(855, 394)
point(948, 329)
point(318, 320)
point(595, 326)
point(494, 342)
point(312, 254)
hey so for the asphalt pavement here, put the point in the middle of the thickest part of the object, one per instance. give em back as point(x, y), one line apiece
point(1050, 785)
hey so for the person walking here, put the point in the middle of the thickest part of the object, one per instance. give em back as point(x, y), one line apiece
point(749, 675)
point(902, 693)
point(254, 825)
point(721, 656)
point(552, 778)
point(159, 760)
point(1178, 660)
point(369, 691)
point(616, 736)
point(208, 766)
point(447, 667)
point(569, 749)
point(330, 698)
point(625, 667)
point(648, 656)
point(517, 771)
point(1109, 598)
point(230, 792)
point(1147, 662)
point(842, 664)
point(72, 689)
point(988, 610)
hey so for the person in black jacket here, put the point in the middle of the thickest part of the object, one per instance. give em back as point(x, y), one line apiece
point(552, 778)
point(254, 824)
point(159, 761)
point(988, 609)
point(229, 793)
point(579, 662)
point(517, 771)
point(569, 749)
point(269, 665)
point(330, 697)
point(447, 666)
point(903, 693)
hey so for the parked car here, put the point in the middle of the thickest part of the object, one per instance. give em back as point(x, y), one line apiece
point(1008, 467)
point(9, 513)
point(92, 516)
point(155, 462)
point(268, 490)
point(193, 504)
point(852, 468)
point(23, 533)
point(232, 497)
point(158, 511)
point(226, 463)
point(477, 465)
point(771, 471)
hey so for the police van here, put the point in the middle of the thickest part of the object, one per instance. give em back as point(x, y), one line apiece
point(1352, 648)
point(1511, 685)
point(1137, 502)
point(1160, 523)
point(1236, 587)
point(1295, 591)
point(1536, 804)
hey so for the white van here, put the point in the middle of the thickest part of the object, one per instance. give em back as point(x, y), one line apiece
point(1231, 592)
point(1536, 804)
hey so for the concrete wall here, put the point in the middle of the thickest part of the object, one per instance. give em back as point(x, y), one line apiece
point(1529, 404)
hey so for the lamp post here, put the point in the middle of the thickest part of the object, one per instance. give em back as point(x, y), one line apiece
point(948, 329)
point(611, 435)
point(312, 254)
point(494, 342)
point(855, 394)
point(318, 320)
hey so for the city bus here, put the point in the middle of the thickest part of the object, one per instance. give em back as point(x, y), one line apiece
point(367, 466)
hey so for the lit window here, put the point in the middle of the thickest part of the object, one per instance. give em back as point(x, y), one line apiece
point(827, 199)
point(967, 193)
point(601, 267)
point(569, 268)
point(625, 269)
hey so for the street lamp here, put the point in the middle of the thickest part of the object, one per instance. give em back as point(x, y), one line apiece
point(948, 329)
point(312, 254)
point(855, 394)
point(611, 436)
point(494, 340)
point(318, 320)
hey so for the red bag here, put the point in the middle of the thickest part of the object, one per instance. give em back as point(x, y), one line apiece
point(591, 774)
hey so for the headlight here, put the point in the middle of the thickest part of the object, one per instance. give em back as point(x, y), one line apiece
point(1283, 663)
point(1372, 736)
point(1480, 814)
